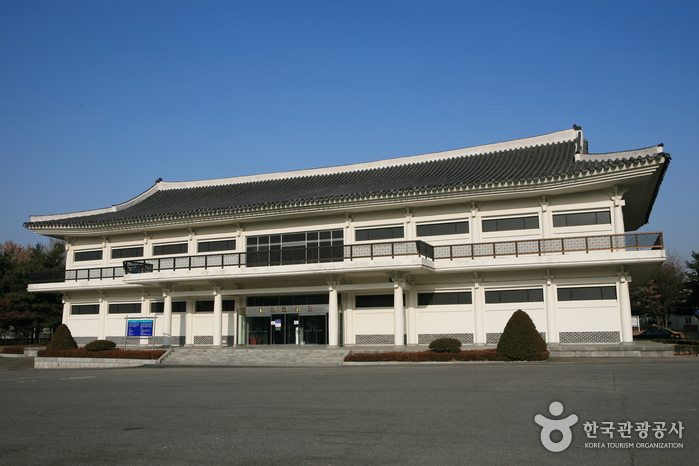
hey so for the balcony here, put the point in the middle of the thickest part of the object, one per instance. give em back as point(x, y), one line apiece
point(361, 252)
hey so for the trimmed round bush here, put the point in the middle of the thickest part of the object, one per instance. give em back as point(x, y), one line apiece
point(62, 339)
point(100, 345)
point(520, 340)
point(446, 345)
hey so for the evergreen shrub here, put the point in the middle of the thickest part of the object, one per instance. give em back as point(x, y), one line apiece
point(446, 345)
point(100, 345)
point(62, 339)
point(520, 340)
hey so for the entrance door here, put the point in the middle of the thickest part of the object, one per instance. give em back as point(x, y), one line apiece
point(314, 329)
point(258, 328)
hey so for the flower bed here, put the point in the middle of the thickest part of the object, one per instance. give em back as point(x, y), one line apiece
point(110, 354)
point(12, 350)
point(431, 356)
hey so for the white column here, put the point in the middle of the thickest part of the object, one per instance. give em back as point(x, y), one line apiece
point(474, 224)
point(551, 312)
point(218, 316)
point(348, 299)
point(625, 308)
point(102, 318)
point(66, 310)
point(167, 318)
point(478, 312)
point(333, 316)
point(412, 317)
point(409, 225)
point(545, 218)
point(398, 313)
point(189, 323)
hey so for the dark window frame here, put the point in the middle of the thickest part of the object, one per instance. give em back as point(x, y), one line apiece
point(127, 252)
point(380, 234)
point(433, 229)
point(447, 298)
point(169, 249)
point(84, 309)
point(375, 301)
point(529, 222)
point(576, 219)
point(533, 295)
point(158, 307)
point(124, 308)
point(216, 245)
point(84, 256)
point(587, 293)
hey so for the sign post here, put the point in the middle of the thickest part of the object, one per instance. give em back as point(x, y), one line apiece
point(139, 328)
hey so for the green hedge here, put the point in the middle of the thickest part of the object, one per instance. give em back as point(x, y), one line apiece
point(446, 345)
point(431, 356)
point(100, 345)
point(686, 350)
point(13, 350)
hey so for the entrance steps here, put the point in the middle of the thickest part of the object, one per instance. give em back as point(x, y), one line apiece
point(637, 349)
point(309, 356)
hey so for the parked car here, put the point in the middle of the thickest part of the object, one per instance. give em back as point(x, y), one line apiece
point(658, 334)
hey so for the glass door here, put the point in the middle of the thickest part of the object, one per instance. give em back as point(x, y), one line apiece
point(258, 330)
point(314, 329)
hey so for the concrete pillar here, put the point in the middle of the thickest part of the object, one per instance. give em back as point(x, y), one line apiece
point(189, 323)
point(102, 318)
point(546, 219)
point(478, 312)
point(349, 318)
point(411, 321)
point(333, 316)
point(398, 314)
point(625, 308)
point(66, 310)
point(551, 312)
point(474, 224)
point(167, 318)
point(218, 316)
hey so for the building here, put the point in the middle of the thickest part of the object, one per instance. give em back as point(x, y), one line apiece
point(394, 252)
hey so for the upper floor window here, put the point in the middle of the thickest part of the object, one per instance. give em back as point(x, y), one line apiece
point(123, 253)
point(295, 248)
point(582, 218)
point(159, 307)
point(534, 295)
point(212, 246)
point(83, 309)
point(167, 249)
point(373, 234)
point(430, 299)
point(125, 308)
point(439, 229)
point(587, 293)
point(514, 223)
point(88, 255)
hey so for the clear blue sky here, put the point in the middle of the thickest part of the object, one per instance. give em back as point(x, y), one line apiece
point(98, 99)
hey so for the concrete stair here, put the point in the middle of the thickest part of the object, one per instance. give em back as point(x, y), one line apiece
point(317, 356)
point(637, 349)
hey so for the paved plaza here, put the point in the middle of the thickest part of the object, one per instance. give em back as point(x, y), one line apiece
point(401, 414)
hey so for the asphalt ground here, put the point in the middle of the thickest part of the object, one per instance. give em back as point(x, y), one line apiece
point(480, 413)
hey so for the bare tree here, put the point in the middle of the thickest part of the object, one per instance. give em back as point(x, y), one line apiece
point(666, 290)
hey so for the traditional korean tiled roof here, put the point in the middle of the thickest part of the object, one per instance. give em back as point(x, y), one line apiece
point(398, 177)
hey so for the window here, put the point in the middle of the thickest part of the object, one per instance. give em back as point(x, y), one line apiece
point(212, 246)
point(167, 249)
point(88, 256)
point(428, 299)
point(295, 248)
point(125, 308)
point(83, 309)
point(515, 223)
point(583, 218)
point(123, 253)
point(375, 300)
point(374, 234)
point(588, 293)
point(177, 306)
point(208, 306)
point(439, 229)
point(535, 295)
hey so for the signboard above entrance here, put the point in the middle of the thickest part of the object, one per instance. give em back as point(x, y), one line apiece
point(309, 309)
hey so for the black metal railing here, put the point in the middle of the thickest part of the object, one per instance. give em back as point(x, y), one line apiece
point(626, 242)
point(351, 252)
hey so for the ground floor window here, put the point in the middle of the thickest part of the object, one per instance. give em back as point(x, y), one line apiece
point(515, 296)
point(84, 309)
point(177, 306)
point(587, 293)
point(125, 308)
point(429, 299)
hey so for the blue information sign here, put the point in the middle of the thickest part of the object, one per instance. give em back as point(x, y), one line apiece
point(139, 328)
